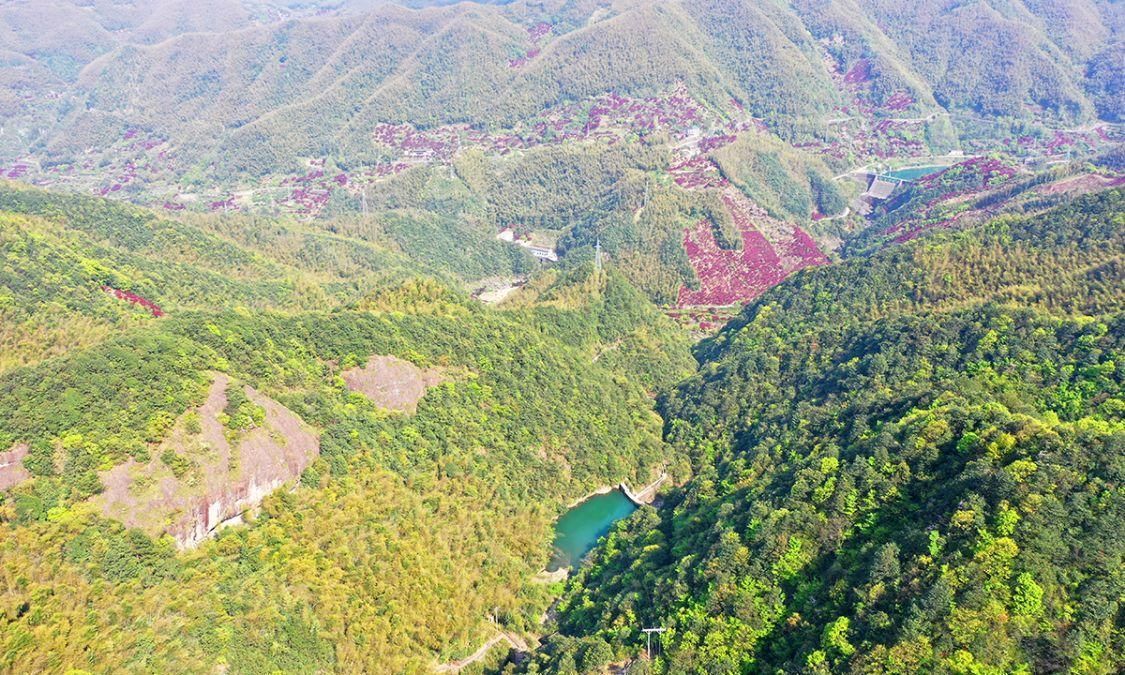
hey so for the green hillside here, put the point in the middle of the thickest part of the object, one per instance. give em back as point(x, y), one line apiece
point(253, 96)
point(334, 332)
point(62, 253)
point(442, 516)
point(427, 128)
point(902, 464)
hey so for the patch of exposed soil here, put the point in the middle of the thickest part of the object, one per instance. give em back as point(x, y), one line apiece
point(223, 479)
point(497, 290)
point(392, 383)
point(12, 471)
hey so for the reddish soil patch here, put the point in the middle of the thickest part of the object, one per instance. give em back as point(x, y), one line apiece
point(392, 383)
point(225, 480)
point(12, 471)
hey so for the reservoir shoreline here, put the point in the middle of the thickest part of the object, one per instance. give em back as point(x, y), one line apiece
point(588, 519)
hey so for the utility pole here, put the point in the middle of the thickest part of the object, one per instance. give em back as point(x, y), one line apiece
point(649, 632)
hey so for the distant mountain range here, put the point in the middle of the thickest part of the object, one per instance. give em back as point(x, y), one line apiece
point(258, 81)
point(315, 316)
point(566, 119)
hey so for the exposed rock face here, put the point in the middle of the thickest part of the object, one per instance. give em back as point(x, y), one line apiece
point(392, 383)
point(12, 471)
point(223, 481)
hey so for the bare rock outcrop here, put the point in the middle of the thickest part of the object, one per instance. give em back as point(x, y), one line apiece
point(12, 471)
point(221, 475)
point(392, 383)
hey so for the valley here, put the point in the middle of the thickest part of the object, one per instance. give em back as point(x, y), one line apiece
point(563, 337)
point(870, 110)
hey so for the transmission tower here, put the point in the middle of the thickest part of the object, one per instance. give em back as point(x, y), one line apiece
point(648, 632)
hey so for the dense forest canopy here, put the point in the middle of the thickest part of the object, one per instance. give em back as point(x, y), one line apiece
point(317, 315)
point(905, 464)
point(523, 422)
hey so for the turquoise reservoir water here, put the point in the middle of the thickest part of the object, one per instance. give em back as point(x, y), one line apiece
point(915, 173)
point(580, 528)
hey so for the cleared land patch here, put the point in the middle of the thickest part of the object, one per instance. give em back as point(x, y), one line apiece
point(12, 471)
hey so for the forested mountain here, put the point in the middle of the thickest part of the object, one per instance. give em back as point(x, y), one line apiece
point(273, 92)
point(140, 336)
point(905, 464)
point(714, 148)
point(320, 319)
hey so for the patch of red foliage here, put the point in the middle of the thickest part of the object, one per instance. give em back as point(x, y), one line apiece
point(794, 247)
point(539, 31)
point(916, 230)
point(735, 277)
point(991, 171)
point(310, 199)
point(516, 64)
point(1059, 141)
point(728, 277)
point(859, 73)
point(390, 169)
point(803, 247)
point(536, 34)
point(135, 299)
point(900, 100)
point(697, 173)
point(715, 142)
point(437, 144)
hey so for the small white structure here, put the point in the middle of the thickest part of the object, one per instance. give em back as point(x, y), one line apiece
point(538, 250)
point(542, 253)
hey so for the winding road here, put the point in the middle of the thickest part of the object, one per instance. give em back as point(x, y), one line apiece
point(514, 640)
